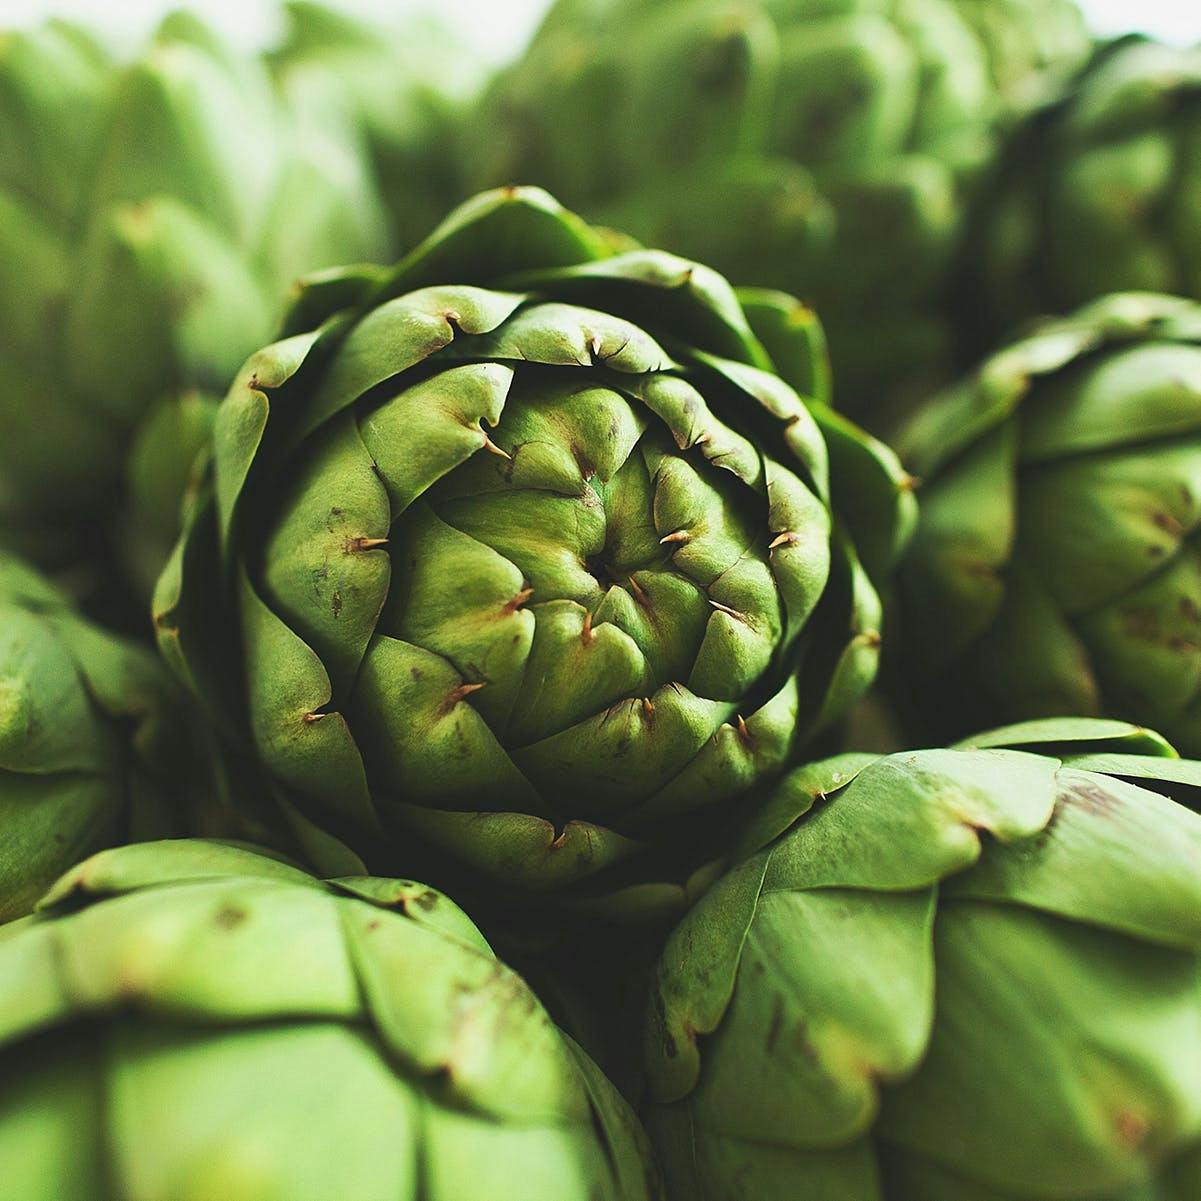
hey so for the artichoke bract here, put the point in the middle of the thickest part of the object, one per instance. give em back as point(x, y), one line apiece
point(86, 738)
point(827, 145)
point(406, 84)
point(152, 217)
point(1054, 571)
point(1096, 194)
point(525, 549)
point(952, 974)
point(192, 1020)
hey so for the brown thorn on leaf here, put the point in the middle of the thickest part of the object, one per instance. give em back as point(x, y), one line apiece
point(727, 610)
point(460, 693)
point(787, 538)
point(678, 536)
point(648, 706)
point(493, 449)
point(595, 345)
point(309, 718)
point(586, 632)
point(639, 592)
point(452, 317)
point(354, 545)
point(519, 600)
point(744, 731)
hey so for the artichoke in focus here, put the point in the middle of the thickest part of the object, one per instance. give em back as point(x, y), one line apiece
point(192, 1020)
point(1055, 569)
point(967, 974)
point(153, 215)
point(1097, 194)
point(87, 738)
point(824, 147)
point(407, 85)
point(523, 554)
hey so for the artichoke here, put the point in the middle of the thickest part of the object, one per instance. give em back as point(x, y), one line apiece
point(407, 85)
point(152, 217)
point(192, 1020)
point(950, 975)
point(1054, 571)
point(825, 146)
point(1096, 194)
point(523, 552)
point(86, 738)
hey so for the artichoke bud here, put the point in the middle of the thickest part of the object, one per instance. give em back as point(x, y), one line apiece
point(541, 560)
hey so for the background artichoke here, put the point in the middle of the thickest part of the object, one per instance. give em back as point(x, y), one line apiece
point(152, 216)
point(951, 974)
point(406, 84)
point(192, 1020)
point(86, 738)
point(1097, 193)
point(524, 549)
point(1054, 569)
point(819, 146)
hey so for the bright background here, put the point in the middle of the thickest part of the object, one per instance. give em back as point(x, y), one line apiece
point(500, 27)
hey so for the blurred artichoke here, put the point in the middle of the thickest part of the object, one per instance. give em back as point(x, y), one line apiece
point(819, 146)
point(152, 217)
point(192, 1021)
point(523, 548)
point(951, 975)
point(407, 85)
point(1055, 569)
point(85, 738)
point(1098, 193)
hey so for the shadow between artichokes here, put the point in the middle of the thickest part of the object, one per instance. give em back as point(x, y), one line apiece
point(966, 974)
point(193, 1020)
point(523, 554)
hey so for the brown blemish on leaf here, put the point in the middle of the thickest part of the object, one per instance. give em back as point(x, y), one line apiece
point(230, 917)
point(1089, 796)
point(1131, 1129)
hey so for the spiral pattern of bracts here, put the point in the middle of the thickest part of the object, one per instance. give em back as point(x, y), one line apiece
point(543, 564)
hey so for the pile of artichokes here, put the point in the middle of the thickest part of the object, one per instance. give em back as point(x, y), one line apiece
point(492, 681)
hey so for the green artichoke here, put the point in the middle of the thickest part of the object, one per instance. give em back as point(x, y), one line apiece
point(950, 975)
point(407, 85)
point(86, 737)
point(819, 146)
point(152, 217)
point(1098, 193)
point(191, 1021)
point(522, 550)
point(1055, 570)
